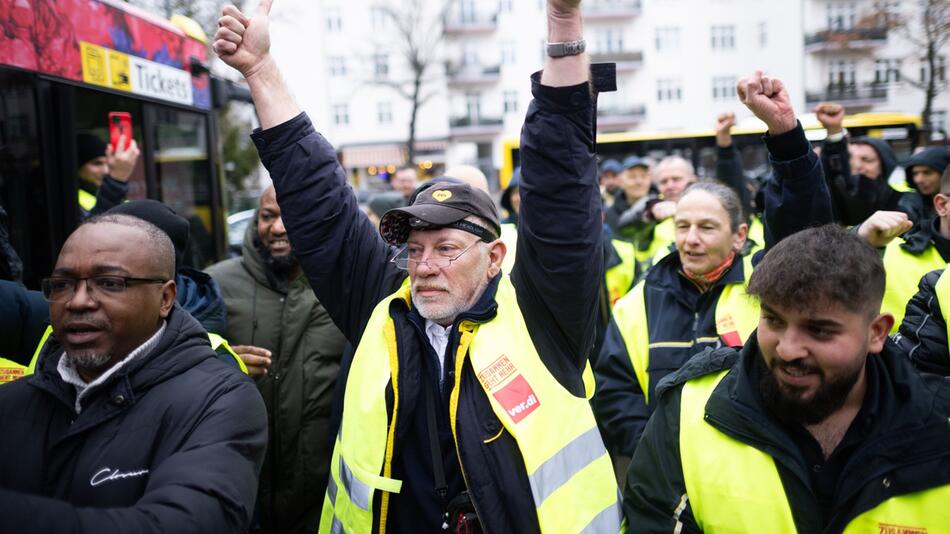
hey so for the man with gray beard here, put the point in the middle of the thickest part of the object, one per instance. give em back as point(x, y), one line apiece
point(130, 422)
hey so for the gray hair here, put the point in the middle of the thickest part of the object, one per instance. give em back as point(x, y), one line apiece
point(669, 161)
point(163, 251)
point(726, 196)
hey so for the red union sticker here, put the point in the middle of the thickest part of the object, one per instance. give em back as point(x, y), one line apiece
point(517, 398)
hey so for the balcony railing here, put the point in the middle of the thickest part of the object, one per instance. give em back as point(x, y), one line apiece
point(850, 39)
point(472, 74)
point(611, 9)
point(456, 23)
point(851, 95)
point(625, 60)
point(620, 118)
point(475, 127)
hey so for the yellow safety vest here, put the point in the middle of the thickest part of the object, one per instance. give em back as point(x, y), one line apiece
point(215, 339)
point(10, 370)
point(734, 487)
point(509, 236)
point(737, 315)
point(568, 468)
point(664, 235)
point(942, 292)
point(904, 271)
point(87, 200)
point(620, 277)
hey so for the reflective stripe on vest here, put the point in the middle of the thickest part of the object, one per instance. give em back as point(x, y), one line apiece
point(567, 466)
point(620, 277)
point(942, 292)
point(87, 200)
point(734, 487)
point(904, 271)
point(218, 341)
point(737, 315)
point(30, 369)
point(10, 370)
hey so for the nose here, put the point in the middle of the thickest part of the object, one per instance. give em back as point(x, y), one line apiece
point(82, 298)
point(692, 236)
point(791, 345)
point(278, 226)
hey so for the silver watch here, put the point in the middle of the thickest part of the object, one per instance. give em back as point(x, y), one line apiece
point(569, 48)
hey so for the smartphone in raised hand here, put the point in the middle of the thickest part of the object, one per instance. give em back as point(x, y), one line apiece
point(120, 124)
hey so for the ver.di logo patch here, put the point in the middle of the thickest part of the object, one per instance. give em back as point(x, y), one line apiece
point(517, 398)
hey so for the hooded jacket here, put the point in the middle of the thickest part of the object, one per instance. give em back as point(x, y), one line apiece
point(923, 332)
point(905, 444)
point(266, 311)
point(935, 157)
point(173, 442)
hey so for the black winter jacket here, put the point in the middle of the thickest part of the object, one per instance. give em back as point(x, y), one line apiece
point(923, 333)
point(907, 442)
point(557, 274)
point(171, 443)
point(795, 199)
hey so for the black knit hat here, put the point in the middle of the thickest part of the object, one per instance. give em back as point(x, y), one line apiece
point(935, 157)
point(442, 204)
point(162, 216)
point(88, 148)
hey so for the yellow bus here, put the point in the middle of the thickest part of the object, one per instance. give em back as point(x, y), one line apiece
point(699, 146)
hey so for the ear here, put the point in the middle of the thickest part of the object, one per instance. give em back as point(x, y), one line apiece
point(496, 255)
point(942, 205)
point(877, 333)
point(739, 238)
point(169, 294)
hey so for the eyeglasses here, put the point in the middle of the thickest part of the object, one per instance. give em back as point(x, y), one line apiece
point(441, 257)
point(62, 288)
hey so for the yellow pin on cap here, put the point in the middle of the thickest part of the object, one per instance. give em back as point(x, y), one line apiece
point(442, 195)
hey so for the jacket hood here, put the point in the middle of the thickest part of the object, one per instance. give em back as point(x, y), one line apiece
point(935, 157)
point(199, 295)
point(183, 345)
point(884, 152)
point(506, 195)
point(252, 258)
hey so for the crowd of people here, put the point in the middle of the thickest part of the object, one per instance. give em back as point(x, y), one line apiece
point(612, 346)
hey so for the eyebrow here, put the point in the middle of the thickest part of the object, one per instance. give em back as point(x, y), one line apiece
point(98, 269)
point(822, 323)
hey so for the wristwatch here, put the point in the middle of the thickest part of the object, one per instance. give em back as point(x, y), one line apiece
point(569, 48)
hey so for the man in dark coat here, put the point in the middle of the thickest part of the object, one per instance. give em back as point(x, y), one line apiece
point(129, 423)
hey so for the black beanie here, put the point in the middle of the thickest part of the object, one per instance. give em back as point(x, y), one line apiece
point(88, 148)
point(935, 157)
point(163, 217)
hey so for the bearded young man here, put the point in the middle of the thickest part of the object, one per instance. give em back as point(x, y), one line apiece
point(818, 424)
point(466, 403)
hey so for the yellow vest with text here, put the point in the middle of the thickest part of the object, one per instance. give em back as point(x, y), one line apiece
point(733, 487)
point(737, 315)
point(87, 200)
point(215, 340)
point(619, 278)
point(568, 468)
point(10, 370)
point(904, 271)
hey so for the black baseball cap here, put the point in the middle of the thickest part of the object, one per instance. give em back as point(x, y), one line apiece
point(442, 204)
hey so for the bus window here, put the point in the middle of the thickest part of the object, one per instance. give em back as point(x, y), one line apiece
point(184, 177)
point(92, 114)
point(22, 187)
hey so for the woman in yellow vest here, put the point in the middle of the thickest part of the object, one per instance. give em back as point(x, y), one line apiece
point(818, 424)
point(466, 402)
point(696, 298)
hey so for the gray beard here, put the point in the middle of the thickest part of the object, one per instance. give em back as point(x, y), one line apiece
point(89, 361)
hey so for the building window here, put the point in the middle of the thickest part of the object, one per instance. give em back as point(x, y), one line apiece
point(609, 40)
point(334, 20)
point(938, 120)
point(337, 66)
point(763, 34)
point(887, 70)
point(841, 73)
point(466, 11)
point(841, 15)
point(341, 114)
point(384, 113)
point(669, 90)
point(941, 64)
point(508, 53)
point(667, 39)
point(724, 87)
point(505, 6)
point(377, 17)
point(473, 106)
point(511, 101)
point(723, 37)
point(380, 65)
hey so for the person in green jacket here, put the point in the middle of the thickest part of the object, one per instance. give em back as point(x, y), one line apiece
point(293, 349)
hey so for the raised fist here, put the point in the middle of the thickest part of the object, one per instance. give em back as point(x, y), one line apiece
point(768, 100)
point(724, 124)
point(241, 42)
point(831, 116)
point(883, 226)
